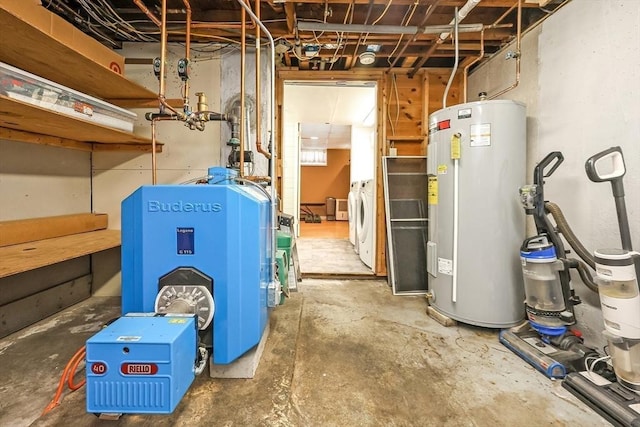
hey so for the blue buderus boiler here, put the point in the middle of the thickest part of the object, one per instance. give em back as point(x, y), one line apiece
point(215, 237)
point(204, 251)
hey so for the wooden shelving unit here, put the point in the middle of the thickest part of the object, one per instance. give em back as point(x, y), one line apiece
point(29, 48)
point(34, 124)
point(32, 50)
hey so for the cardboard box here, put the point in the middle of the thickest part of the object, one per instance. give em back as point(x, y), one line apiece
point(32, 12)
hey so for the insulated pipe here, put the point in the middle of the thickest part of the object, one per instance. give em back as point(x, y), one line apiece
point(518, 39)
point(274, 151)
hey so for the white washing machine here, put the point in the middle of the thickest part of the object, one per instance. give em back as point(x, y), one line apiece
point(353, 209)
point(366, 222)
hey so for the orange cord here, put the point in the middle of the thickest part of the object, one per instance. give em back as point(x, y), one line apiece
point(67, 376)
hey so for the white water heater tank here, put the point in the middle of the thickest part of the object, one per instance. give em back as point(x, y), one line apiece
point(476, 163)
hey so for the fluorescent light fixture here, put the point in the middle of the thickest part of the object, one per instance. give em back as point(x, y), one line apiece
point(314, 137)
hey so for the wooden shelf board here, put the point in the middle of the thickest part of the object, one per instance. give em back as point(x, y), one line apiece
point(29, 256)
point(32, 50)
point(25, 117)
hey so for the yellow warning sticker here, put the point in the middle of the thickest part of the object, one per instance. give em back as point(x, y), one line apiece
point(432, 190)
point(442, 169)
point(455, 146)
point(177, 320)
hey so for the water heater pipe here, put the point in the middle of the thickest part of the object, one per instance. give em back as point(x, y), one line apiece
point(274, 152)
point(456, 221)
point(461, 14)
point(465, 73)
point(456, 61)
point(517, 54)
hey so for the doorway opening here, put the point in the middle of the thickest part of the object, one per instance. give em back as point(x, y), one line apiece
point(329, 146)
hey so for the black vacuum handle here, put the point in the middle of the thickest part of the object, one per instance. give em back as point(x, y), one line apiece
point(555, 158)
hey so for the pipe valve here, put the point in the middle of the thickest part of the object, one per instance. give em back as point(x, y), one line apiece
point(183, 69)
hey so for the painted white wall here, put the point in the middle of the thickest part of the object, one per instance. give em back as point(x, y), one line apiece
point(581, 83)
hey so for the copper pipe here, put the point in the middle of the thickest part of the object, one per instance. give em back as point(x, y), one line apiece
point(258, 108)
point(187, 50)
point(466, 69)
point(163, 59)
point(147, 12)
point(220, 25)
point(518, 43)
point(243, 65)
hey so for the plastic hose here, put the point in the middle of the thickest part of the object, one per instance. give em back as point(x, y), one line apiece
point(586, 276)
point(568, 234)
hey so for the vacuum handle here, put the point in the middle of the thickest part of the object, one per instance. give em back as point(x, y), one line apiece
point(608, 165)
point(555, 158)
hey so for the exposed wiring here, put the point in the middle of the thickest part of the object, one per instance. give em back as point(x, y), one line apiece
point(595, 361)
point(394, 86)
point(340, 42)
point(405, 21)
point(384, 12)
point(67, 377)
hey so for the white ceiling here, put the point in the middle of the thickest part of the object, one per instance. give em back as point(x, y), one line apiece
point(323, 135)
point(328, 110)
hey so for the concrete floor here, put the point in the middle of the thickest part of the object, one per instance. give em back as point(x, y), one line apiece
point(340, 353)
point(325, 257)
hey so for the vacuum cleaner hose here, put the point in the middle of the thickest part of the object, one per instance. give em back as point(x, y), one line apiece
point(586, 276)
point(568, 234)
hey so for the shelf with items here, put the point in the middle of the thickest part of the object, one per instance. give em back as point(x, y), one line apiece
point(25, 44)
point(25, 122)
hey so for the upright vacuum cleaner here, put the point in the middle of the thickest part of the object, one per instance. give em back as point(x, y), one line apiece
point(617, 272)
point(548, 342)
